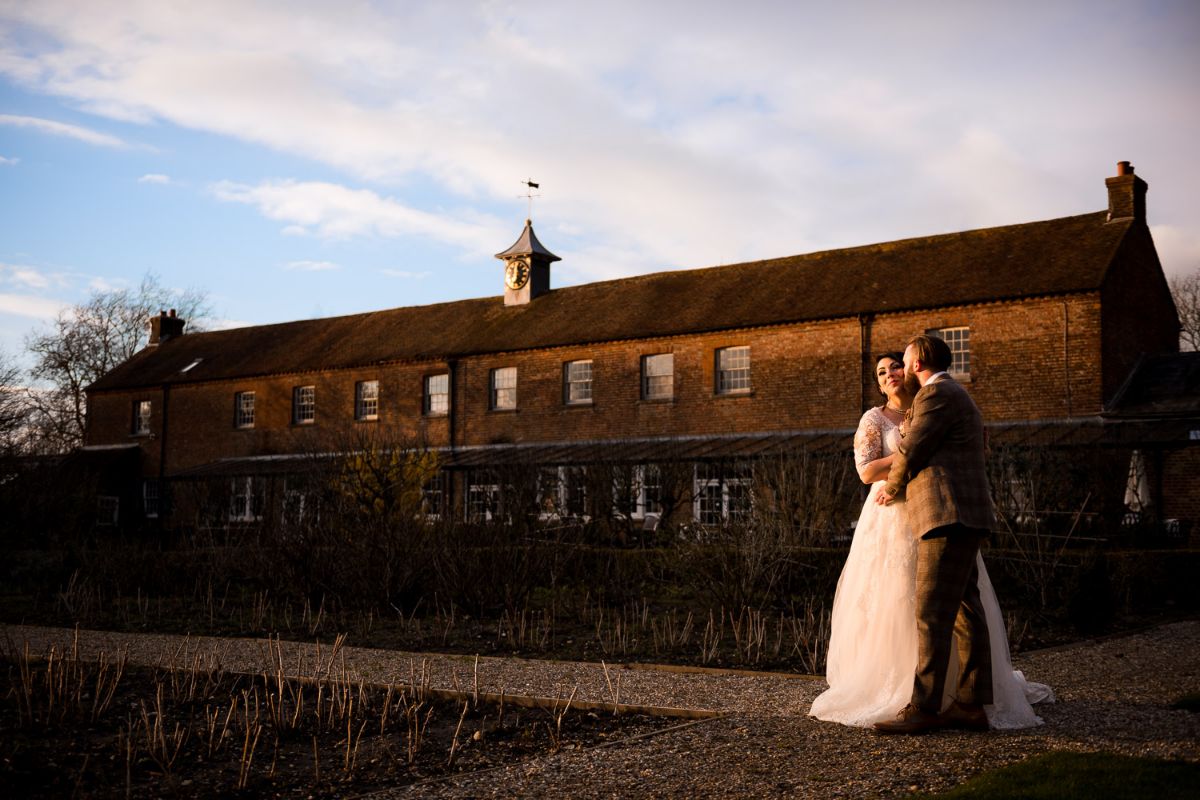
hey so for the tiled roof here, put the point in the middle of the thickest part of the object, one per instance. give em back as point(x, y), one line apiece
point(1161, 386)
point(1038, 258)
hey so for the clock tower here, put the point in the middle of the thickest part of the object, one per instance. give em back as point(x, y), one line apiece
point(526, 268)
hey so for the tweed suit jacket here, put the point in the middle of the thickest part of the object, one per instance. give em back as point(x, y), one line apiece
point(939, 466)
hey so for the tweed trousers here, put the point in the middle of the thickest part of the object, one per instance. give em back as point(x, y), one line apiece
point(948, 606)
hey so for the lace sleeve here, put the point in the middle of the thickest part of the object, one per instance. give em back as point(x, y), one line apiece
point(868, 441)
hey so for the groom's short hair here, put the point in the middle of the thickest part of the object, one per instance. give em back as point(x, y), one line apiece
point(932, 351)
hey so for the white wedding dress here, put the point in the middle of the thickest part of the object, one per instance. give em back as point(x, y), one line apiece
point(873, 640)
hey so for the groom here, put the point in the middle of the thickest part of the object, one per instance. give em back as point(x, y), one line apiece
point(940, 470)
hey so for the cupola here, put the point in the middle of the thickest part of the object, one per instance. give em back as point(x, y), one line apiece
point(526, 268)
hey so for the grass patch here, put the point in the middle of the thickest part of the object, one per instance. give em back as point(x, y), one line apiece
point(1086, 776)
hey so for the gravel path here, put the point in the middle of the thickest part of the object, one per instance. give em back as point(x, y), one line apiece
point(1114, 695)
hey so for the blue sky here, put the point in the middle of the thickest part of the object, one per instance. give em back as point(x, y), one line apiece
point(311, 159)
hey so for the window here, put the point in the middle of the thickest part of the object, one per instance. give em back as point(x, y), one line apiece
point(562, 492)
point(150, 497)
point(437, 395)
point(300, 507)
point(433, 495)
point(658, 377)
point(504, 388)
point(637, 491)
point(141, 417)
point(577, 382)
point(366, 400)
point(304, 405)
point(959, 340)
point(246, 500)
point(107, 510)
point(574, 491)
point(723, 493)
point(483, 497)
point(243, 410)
point(733, 370)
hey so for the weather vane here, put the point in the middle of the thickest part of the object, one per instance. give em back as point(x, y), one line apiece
point(529, 195)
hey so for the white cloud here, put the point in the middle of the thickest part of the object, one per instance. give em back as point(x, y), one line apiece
point(63, 129)
point(9, 162)
point(153, 177)
point(101, 284)
point(401, 273)
point(338, 212)
point(224, 324)
point(24, 305)
point(311, 266)
point(29, 277)
point(664, 134)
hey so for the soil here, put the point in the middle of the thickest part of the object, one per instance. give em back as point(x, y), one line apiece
point(61, 751)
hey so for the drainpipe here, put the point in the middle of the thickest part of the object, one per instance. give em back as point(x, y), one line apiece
point(864, 342)
point(1067, 356)
point(162, 452)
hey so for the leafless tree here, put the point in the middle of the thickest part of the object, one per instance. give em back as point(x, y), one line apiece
point(13, 405)
point(1186, 291)
point(88, 340)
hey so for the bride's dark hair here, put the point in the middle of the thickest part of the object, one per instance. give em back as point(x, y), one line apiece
point(894, 356)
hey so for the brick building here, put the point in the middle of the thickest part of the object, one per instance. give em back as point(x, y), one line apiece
point(1047, 319)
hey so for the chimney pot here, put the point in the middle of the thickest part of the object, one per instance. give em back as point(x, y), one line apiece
point(1126, 195)
point(172, 313)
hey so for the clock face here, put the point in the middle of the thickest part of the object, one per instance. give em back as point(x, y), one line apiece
point(516, 274)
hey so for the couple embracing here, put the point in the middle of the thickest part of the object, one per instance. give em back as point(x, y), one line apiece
point(918, 642)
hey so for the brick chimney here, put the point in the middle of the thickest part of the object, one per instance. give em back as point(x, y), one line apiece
point(1126, 195)
point(165, 326)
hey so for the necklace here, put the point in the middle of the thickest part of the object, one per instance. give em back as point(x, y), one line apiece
point(897, 409)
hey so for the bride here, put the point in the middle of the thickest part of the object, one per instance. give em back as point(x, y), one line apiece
point(873, 640)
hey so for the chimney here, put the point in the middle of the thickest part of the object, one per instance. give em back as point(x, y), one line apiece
point(1126, 195)
point(165, 326)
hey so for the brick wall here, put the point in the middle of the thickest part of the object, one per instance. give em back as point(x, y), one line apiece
point(804, 376)
point(1139, 315)
point(1035, 359)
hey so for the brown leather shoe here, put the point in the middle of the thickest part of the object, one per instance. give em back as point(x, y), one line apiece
point(965, 717)
point(910, 720)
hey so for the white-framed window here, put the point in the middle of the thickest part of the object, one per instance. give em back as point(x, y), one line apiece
point(573, 491)
point(150, 498)
point(141, 417)
point(437, 395)
point(246, 500)
point(723, 493)
point(658, 376)
point(638, 492)
point(299, 503)
point(433, 495)
point(959, 340)
point(304, 405)
point(108, 509)
point(577, 382)
point(503, 384)
point(366, 400)
point(483, 499)
point(243, 410)
point(733, 370)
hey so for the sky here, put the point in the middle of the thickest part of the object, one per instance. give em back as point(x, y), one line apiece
point(304, 159)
